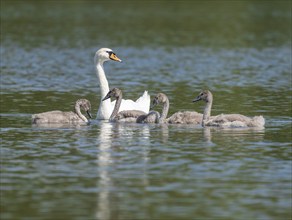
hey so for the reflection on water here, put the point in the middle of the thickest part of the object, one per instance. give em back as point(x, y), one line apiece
point(150, 163)
point(109, 133)
point(114, 172)
point(103, 161)
point(58, 126)
point(208, 136)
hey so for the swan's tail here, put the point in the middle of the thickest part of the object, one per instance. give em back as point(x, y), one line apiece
point(144, 102)
point(257, 121)
point(37, 119)
point(144, 97)
point(34, 119)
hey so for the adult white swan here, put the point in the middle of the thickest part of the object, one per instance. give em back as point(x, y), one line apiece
point(106, 107)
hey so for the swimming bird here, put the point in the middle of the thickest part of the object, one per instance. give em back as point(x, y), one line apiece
point(106, 107)
point(121, 116)
point(154, 116)
point(185, 117)
point(64, 117)
point(226, 120)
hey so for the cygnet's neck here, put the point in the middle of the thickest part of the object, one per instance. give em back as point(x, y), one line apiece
point(164, 111)
point(207, 110)
point(78, 112)
point(117, 107)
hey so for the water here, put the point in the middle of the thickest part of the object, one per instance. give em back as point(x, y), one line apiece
point(239, 50)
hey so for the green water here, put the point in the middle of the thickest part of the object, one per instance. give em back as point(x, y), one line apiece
point(240, 50)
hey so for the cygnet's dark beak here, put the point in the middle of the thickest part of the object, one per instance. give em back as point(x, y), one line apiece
point(89, 114)
point(153, 104)
point(106, 97)
point(197, 99)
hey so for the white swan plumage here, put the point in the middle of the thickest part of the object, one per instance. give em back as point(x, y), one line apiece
point(106, 107)
point(137, 116)
point(121, 116)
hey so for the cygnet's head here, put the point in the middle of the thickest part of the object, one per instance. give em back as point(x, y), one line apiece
point(205, 95)
point(159, 98)
point(115, 93)
point(105, 54)
point(85, 105)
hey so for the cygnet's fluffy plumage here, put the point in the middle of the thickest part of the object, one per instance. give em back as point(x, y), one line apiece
point(154, 116)
point(60, 117)
point(122, 116)
point(226, 120)
point(185, 117)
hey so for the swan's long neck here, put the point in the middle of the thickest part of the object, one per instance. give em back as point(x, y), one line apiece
point(164, 111)
point(116, 108)
point(78, 112)
point(104, 87)
point(105, 107)
point(207, 110)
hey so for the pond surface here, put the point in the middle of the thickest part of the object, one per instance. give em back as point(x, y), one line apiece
point(241, 51)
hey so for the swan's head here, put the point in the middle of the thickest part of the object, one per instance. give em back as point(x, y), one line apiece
point(115, 93)
point(159, 98)
point(105, 54)
point(85, 105)
point(205, 95)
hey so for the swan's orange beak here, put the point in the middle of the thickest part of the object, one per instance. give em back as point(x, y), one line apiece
point(114, 57)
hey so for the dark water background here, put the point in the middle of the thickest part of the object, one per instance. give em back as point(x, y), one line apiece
point(240, 50)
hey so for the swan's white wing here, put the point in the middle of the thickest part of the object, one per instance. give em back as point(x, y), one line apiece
point(142, 104)
point(106, 107)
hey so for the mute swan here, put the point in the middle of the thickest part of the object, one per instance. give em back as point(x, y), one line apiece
point(64, 117)
point(106, 107)
point(122, 116)
point(226, 120)
point(154, 116)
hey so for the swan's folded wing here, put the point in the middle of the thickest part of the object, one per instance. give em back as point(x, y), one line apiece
point(55, 117)
point(142, 103)
point(235, 121)
point(185, 117)
point(130, 113)
point(144, 97)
